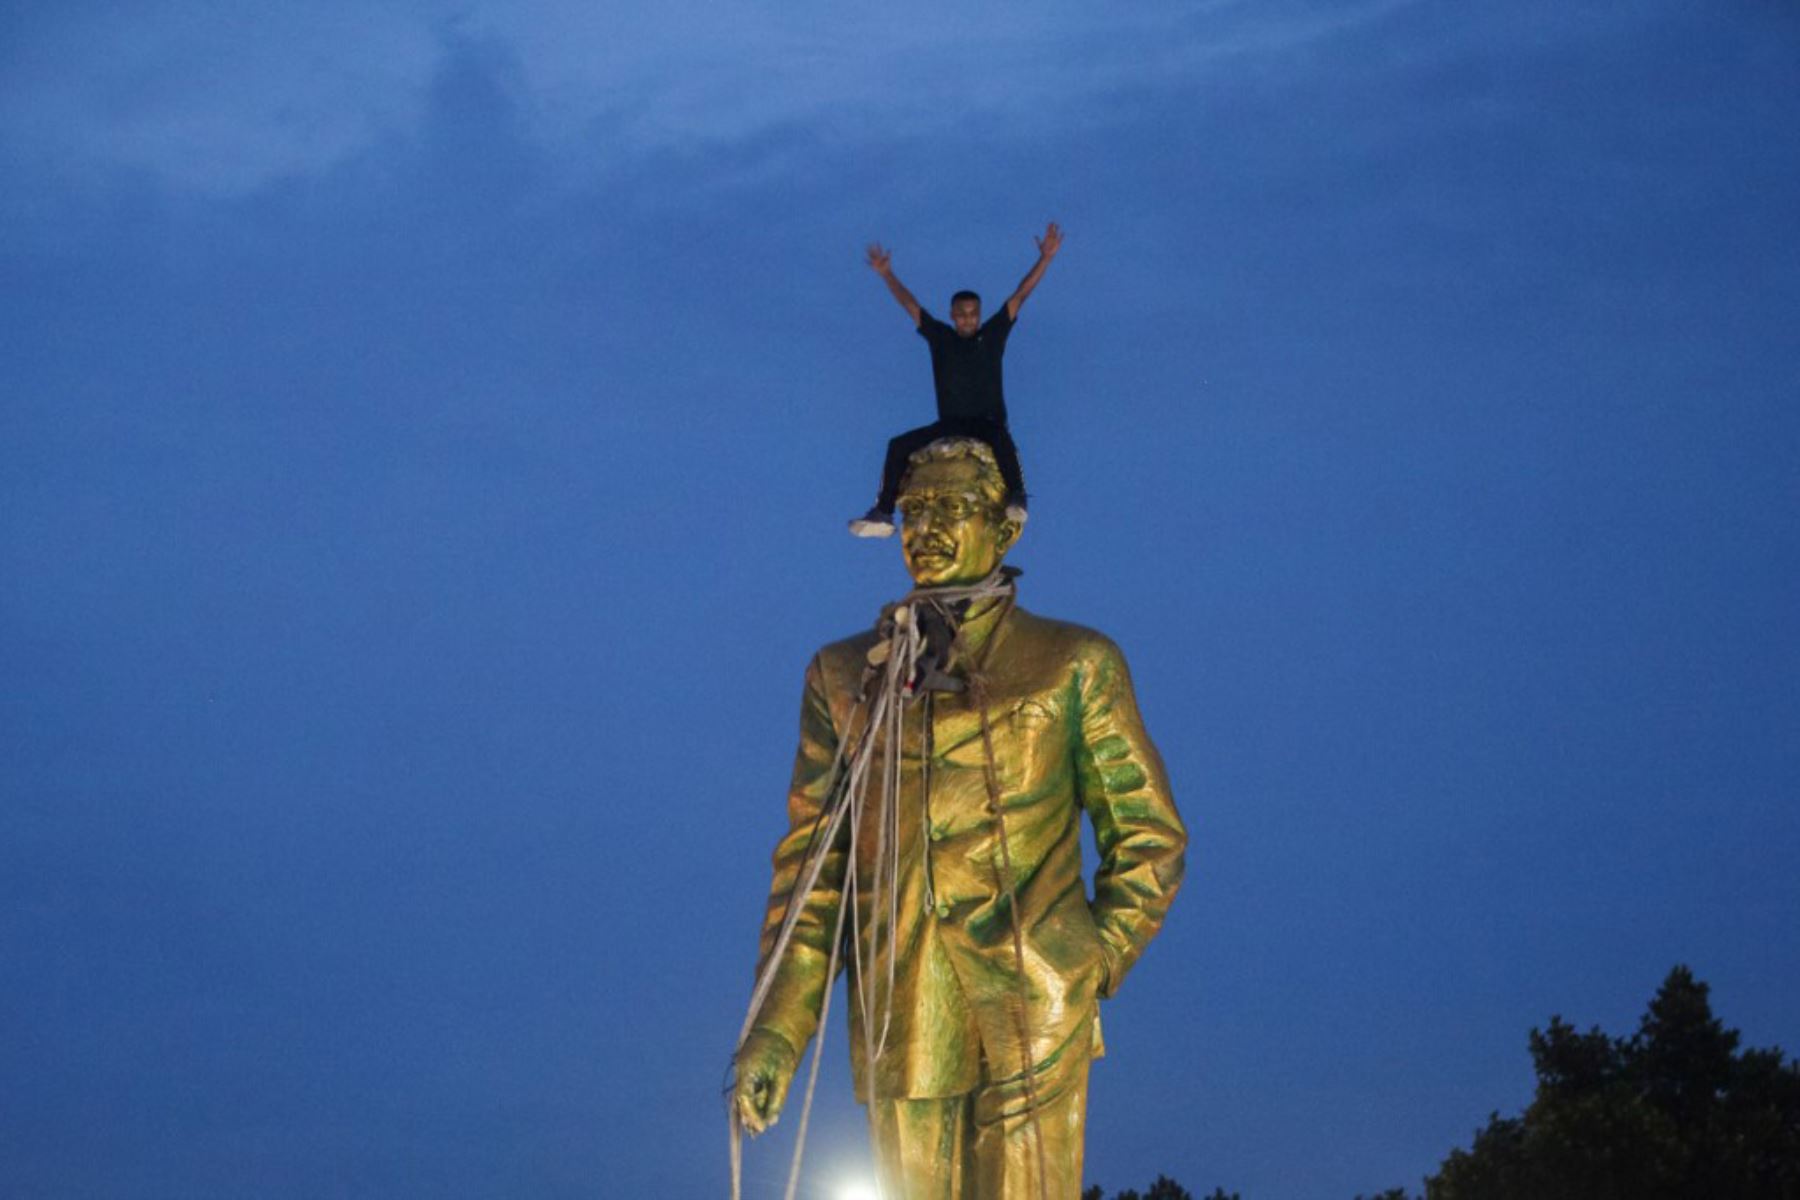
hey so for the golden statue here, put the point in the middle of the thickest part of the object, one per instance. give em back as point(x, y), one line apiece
point(933, 850)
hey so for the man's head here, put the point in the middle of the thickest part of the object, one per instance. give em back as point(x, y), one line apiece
point(965, 313)
point(954, 529)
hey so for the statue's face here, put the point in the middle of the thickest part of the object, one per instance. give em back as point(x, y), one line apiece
point(951, 533)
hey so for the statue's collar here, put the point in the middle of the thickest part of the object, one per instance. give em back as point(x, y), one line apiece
point(973, 609)
point(955, 625)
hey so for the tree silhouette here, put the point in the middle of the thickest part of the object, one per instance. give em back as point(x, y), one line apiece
point(1163, 1189)
point(1673, 1112)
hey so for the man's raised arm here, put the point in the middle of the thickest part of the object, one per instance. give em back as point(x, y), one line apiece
point(1048, 245)
point(881, 262)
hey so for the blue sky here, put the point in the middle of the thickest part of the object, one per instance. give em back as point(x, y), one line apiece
point(426, 435)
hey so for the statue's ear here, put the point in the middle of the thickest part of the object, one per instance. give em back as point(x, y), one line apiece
point(1007, 534)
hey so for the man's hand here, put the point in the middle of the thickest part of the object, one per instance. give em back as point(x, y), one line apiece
point(1047, 245)
point(763, 1070)
point(882, 263)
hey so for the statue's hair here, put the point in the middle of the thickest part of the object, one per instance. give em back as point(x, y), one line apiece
point(949, 449)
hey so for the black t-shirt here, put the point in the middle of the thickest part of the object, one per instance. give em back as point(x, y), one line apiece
point(966, 370)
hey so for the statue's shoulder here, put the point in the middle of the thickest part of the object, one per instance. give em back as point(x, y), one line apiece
point(1065, 638)
point(842, 661)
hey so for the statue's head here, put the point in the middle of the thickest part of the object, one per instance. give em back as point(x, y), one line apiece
point(953, 524)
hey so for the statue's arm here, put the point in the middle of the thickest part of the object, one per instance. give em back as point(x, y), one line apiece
point(1125, 792)
point(790, 1011)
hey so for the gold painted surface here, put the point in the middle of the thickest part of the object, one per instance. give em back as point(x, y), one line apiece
point(1067, 743)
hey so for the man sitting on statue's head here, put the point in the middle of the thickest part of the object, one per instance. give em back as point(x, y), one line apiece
point(966, 358)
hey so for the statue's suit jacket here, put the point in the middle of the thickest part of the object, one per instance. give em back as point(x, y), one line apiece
point(1067, 740)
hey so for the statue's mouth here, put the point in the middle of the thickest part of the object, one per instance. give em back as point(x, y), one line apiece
point(933, 548)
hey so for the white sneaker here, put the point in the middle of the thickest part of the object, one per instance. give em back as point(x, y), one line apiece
point(873, 524)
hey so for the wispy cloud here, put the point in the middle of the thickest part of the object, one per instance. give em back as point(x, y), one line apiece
point(215, 97)
point(223, 99)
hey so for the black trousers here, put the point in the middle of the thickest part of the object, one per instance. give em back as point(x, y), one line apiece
point(990, 432)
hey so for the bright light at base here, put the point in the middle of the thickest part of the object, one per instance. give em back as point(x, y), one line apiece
point(858, 1191)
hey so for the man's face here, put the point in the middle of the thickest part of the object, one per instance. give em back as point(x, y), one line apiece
point(951, 532)
point(965, 314)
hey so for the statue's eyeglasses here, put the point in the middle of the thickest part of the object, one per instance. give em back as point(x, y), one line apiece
point(953, 506)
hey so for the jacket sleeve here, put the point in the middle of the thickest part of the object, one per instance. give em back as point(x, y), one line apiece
point(1125, 791)
point(791, 1008)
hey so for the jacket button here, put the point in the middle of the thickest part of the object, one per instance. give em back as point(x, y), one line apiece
point(943, 908)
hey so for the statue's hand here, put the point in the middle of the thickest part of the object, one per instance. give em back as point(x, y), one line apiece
point(764, 1068)
point(880, 261)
